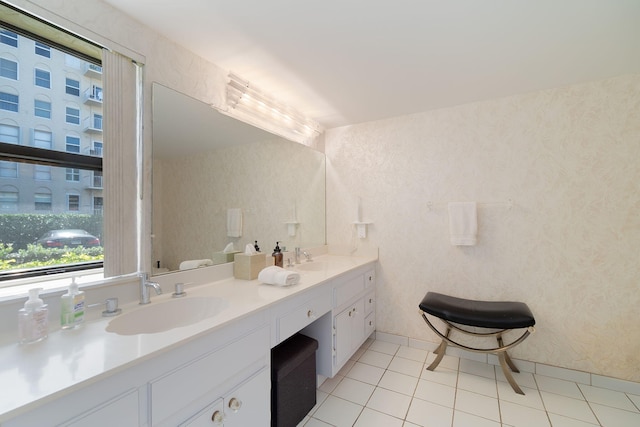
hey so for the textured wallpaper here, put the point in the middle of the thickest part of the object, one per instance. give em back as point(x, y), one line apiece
point(568, 158)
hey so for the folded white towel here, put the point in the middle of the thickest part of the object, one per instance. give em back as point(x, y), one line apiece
point(234, 222)
point(278, 276)
point(463, 223)
point(195, 263)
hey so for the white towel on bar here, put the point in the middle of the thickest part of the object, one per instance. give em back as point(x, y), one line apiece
point(234, 222)
point(463, 223)
point(278, 276)
point(195, 263)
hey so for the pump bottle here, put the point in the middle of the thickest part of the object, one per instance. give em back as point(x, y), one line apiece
point(33, 319)
point(277, 255)
point(72, 307)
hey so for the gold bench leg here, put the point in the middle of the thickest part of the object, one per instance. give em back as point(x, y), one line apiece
point(440, 351)
point(502, 357)
point(506, 356)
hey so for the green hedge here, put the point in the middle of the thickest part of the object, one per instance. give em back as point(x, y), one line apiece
point(21, 230)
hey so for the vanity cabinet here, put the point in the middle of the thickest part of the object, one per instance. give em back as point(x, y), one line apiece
point(350, 322)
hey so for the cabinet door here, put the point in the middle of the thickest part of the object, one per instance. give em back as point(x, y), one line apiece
point(357, 326)
point(342, 337)
point(249, 404)
point(120, 412)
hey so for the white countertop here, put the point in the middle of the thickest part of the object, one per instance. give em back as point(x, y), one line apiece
point(70, 359)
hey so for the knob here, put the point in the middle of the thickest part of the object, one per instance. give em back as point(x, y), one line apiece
point(235, 404)
point(217, 417)
point(310, 313)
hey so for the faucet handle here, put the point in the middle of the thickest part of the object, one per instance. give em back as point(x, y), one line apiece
point(179, 290)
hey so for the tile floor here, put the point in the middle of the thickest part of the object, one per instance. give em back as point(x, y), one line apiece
point(387, 385)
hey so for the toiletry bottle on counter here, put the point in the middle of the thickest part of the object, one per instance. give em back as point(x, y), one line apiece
point(72, 307)
point(256, 247)
point(277, 256)
point(33, 319)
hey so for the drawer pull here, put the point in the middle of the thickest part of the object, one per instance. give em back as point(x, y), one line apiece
point(217, 418)
point(235, 404)
point(311, 314)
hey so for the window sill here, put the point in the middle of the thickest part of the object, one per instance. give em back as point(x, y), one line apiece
point(19, 288)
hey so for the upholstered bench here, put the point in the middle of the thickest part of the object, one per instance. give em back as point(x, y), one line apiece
point(498, 317)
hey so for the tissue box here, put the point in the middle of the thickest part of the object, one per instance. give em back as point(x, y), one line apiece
point(247, 267)
point(223, 257)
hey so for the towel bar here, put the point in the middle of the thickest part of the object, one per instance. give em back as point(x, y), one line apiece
point(500, 316)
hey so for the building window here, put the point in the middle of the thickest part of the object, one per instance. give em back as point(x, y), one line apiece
point(9, 102)
point(43, 78)
point(73, 116)
point(73, 175)
point(73, 202)
point(8, 199)
point(97, 149)
point(42, 139)
point(72, 87)
point(42, 109)
point(9, 134)
point(8, 170)
point(98, 206)
point(97, 121)
point(42, 201)
point(97, 179)
point(9, 37)
point(42, 173)
point(73, 144)
point(8, 69)
point(43, 50)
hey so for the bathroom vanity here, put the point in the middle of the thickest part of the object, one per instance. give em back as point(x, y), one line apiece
point(214, 371)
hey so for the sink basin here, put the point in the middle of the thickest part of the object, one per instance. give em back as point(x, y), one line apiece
point(163, 316)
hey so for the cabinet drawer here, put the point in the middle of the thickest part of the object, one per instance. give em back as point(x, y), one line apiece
point(305, 314)
point(370, 278)
point(369, 324)
point(369, 303)
point(348, 290)
point(178, 389)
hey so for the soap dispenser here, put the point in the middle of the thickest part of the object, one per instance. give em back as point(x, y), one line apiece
point(256, 247)
point(33, 319)
point(277, 256)
point(72, 307)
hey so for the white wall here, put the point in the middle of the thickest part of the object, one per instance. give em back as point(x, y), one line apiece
point(570, 160)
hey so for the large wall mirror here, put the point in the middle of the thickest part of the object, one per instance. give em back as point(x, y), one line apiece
point(207, 167)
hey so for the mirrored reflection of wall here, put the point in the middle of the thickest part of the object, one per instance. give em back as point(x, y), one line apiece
point(269, 178)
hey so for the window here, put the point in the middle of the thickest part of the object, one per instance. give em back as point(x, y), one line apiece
point(46, 180)
point(73, 175)
point(9, 102)
point(97, 121)
point(73, 202)
point(73, 116)
point(9, 37)
point(42, 173)
point(97, 179)
point(43, 78)
point(72, 87)
point(97, 149)
point(8, 170)
point(42, 109)
point(43, 50)
point(73, 144)
point(8, 69)
point(8, 200)
point(42, 201)
point(42, 139)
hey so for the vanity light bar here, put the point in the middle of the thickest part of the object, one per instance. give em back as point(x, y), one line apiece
point(245, 99)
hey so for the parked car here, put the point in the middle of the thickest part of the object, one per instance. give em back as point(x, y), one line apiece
point(70, 238)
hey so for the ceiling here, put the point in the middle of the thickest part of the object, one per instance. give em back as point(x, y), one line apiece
point(351, 61)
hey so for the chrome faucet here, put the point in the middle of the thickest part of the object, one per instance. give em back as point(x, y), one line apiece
point(297, 256)
point(145, 284)
point(307, 255)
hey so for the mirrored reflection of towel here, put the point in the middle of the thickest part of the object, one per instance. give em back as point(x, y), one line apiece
point(463, 223)
point(234, 222)
point(195, 263)
point(278, 276)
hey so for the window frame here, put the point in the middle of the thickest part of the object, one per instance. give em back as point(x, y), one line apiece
point(3, 68)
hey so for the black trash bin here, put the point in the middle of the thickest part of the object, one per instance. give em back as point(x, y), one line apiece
point(293, 380)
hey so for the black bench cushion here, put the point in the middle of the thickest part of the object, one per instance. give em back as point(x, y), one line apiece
point(484, 314)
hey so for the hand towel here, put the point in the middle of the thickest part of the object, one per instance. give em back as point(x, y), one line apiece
point(463, 223)
point(278, 276)
point(234, 222)
point(195, 263)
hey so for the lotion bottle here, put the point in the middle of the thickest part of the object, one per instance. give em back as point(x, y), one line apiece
point(72, 307)
point(33, 319)
point(277, 256)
